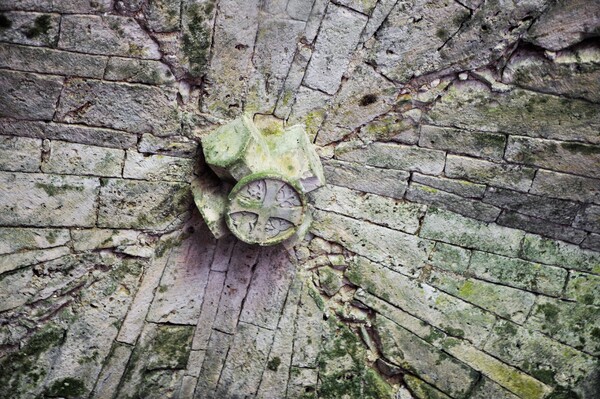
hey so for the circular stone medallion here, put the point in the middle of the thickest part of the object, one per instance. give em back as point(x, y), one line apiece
point(265, 209)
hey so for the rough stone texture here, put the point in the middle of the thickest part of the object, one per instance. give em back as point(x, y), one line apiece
point(438, 123)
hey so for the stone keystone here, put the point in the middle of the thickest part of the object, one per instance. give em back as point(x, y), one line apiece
point(272, 169)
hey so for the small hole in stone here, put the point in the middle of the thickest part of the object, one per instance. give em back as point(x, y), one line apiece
point(367, 100)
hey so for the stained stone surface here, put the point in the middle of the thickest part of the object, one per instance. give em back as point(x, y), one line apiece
point(454, 252)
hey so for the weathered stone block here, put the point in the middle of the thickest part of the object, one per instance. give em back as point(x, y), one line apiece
point(588, 219)
point(540, 226)
point(158, 167)
point(90, 239)
point(47, 200)
point(30, 28)
point(467, 207)
point(393, 156)
point(106, 35)
point(417, 356)
point(15, 239)
point(29, 96)
point(455, 229)
point(388, 212)
point(18, 260)
point(388, 182)
point(89, 135)
point(558, 253)
point(436, 308)
point(129, 107)
point(178, 146)
point(20, 154)
point(567, 322)
point(459, 187)
point(564, 186)
point(479, 144)
point(393, 126)
point(574, 158)
point(162, 15)
point(141, 204)
point(138, 71)
point(592, 242)
point(403, 252)
point(554, 210)
point(44, 60)
point(514, 177)
point(339, 35)
point(450, 257)
point(583, 287)
point(535, 277)
point(210, 198)
point(518, 111)
point(71, 158)
point(308, 107)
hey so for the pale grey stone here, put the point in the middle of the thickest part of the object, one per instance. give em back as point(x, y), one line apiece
point(417, 356)
point(309, 108)
point(194, 366)
point(15, 239)
point(292, 89)
point(388, 182)
point(249, 351)
point(175, 146)
point(89, 135)
point(379, 13)
point(554, 210)
point(29, 96)
point(455, 229)
point(20, 154)
point(162, 15)
point(535, 277)
point(487, 388)
point(141, 204)
point(267, 292)
point(539, 249)
point(589, 219)
point(45, 200)
point(450, 257)
point(515, 177)
point(44, 60)
point(308, 330)
point(210, 197)
point(540, 226)
point(353, 106)
point(299, 9)
point(393, 126)
point(239, 275)
point(506, 302)
point(18, 260)
point(393, 156)
point(210, 303)
point(106, 35)
point(479, 144)
point(130, 107)
point(565, 23)
point(214, 361)
point(364, 7)
point(532, 351)
point(180, 294)
point(90, 239)
point(71, 158)
point(275, 6)
point(188, 385)
point(230, 66)
point(313, 25)
point(14, 288)
point(574, 158)
point(459, 187)
point(434, 307)
point(138, 71)
point(112, 372)
point(464, 206)
point(403, 252)
point(74, 6)
point(384, 211)
point(158, 167)
point(338, 37)
point(31, 28)
point(276, 43)
point(518, 111)
point(567, 322)
point(564, 186)
point(531, 70)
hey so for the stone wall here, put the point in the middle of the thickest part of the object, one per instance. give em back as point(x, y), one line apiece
point(454, 253)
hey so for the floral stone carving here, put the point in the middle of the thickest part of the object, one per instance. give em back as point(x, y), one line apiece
point(271, 170)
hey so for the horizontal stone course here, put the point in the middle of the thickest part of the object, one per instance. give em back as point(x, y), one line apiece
point(570, 187)
point(138, 71)
point(576, 158)
point(32, 28)
point(20, 154)
point(478, 144)
point(588, 219)
point(157, 167)
point(32, 199)
point(44, 60)
point(540, 226)
point(513, 177)
point(583, 288)
point(15, 239)
point(463, 188)
point(29, 96)
point(175, 146)
point(80, 159)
